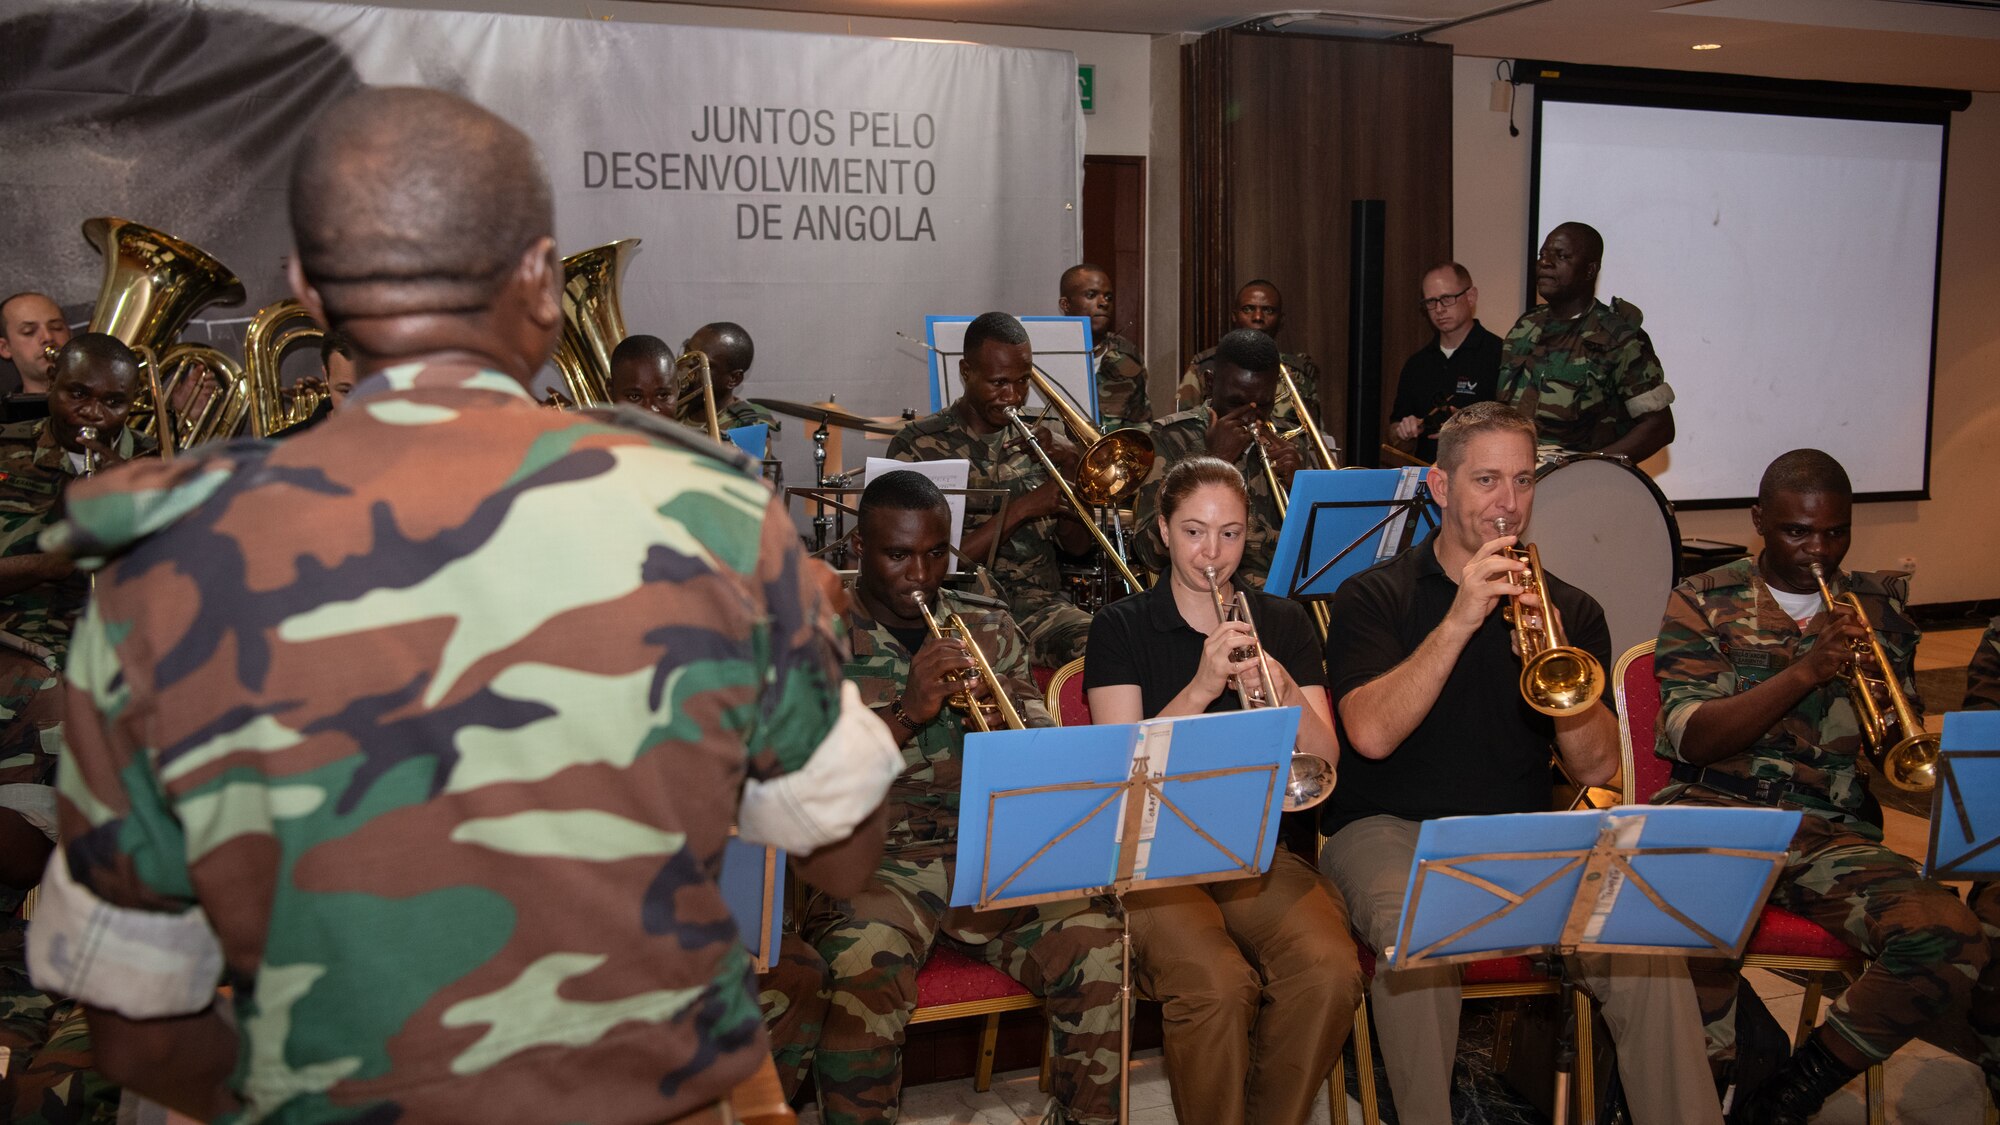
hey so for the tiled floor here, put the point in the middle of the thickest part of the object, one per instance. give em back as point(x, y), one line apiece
point(1926, 1086)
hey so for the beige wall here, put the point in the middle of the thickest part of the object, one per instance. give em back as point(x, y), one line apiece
point(1954, 536)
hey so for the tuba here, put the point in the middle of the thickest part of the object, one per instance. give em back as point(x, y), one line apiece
point(593, 322)
point(1556, 677)
point(955, 628)
point(275, 331)
point(1311, 777)
point(153, 285)
point(1900, 749)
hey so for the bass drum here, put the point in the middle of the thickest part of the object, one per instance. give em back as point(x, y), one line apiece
point(1605, 527)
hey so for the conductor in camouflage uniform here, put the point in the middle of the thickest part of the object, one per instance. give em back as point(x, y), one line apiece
point(46, 1075)
point(423, 731)
point(1038, 528)
point(1584, 370)
point(1754, 712)
point(1066, 952)
point(1230, 426)
point(1121, 373)
point(1260, 307)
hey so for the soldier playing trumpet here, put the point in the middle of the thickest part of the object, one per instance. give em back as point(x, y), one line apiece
point(874, 942)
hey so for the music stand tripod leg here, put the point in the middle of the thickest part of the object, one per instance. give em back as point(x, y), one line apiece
point(1569, 1011)
point(1124, 1009)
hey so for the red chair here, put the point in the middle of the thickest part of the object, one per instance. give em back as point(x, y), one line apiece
point(953, 986)
point(1064, 696)
point(1782, 939)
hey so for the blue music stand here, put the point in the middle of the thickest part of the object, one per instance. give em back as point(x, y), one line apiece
point(1643, 879)
point(754, 439)
point(1059, 813)
point(1341, 522)
point(1965, 806)
point(753, 884)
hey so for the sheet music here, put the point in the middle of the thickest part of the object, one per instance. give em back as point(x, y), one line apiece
point(1390, 544)
point(951, 472)
point(1154, 743)
point(1623, 833)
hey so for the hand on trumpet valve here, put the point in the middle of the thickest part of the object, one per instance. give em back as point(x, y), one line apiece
point(1842, 644)
point(1488, 578)
point(938, 672)
point(1228, 656)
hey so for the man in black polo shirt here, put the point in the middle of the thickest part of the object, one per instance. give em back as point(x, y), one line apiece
point(1423, 677)
point(1459, 367)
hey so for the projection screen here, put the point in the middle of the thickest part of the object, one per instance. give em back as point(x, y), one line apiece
point(1787, 270)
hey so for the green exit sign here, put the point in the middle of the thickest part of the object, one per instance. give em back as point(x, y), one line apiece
point(1086, 86)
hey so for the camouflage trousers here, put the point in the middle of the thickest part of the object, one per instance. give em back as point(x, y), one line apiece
point(48, 1080)
point(1924, 948)
point(1066, 953)
point(1984, 1015)
point(794, 996)
point(1056, 632)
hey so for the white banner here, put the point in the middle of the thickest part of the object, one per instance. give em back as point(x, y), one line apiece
point(825, 192)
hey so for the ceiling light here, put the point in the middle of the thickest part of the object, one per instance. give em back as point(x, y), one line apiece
point(1706, 47)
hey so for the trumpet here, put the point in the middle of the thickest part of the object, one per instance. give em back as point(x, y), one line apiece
point(90, 456)
point(981, 669)
point(1311, 778)
point(1900, 749)
point(1556, 677)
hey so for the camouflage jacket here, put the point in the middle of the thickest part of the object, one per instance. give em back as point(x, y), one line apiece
point(1982, 677)
point(1178, 437)
point(923, 800)
point(1121, 385)
point(1585, 381)
point(28, 762)
point(441, 711)
point(1192, 391)
point(739, 412)
point(1724, 633)
point(34, 473)
point(1028, 569)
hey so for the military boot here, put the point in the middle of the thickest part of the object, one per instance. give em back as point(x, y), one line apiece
point(1795, 1093)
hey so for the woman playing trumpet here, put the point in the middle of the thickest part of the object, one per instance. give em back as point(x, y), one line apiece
point(1258, 976)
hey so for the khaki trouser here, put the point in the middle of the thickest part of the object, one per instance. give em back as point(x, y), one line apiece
point(1259, 981)
point(1647, 1001)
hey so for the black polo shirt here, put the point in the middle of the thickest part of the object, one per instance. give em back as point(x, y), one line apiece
point(1471, 373)
point(1144, 640)
point(1481, 749)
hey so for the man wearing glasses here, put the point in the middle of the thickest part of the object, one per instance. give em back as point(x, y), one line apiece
point(1584, 370)
point(1456, 369)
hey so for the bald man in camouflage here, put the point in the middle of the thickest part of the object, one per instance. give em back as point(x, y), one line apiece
point(423, 731)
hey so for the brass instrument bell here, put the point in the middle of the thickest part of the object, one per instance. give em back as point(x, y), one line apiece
point(1557, 678)
point(1903, 753)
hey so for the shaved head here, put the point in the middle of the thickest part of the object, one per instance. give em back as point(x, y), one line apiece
point(409, 201)
point(1589, 244)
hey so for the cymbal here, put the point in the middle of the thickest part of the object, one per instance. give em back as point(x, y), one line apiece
point(832, 416)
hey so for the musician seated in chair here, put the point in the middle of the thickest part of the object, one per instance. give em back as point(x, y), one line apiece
point(1754, 712)
point(1259, 307)
point(1039, 526)
point(1085, 290)
point(41, 594)
point(1455, 369)
point(30, 324)
point(1232, 426)
point(875, 941)
point(1258, 976)
point(1425, 682)
point(730, 352)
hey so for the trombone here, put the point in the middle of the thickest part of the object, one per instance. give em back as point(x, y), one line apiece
point(1100, 484)
point(981, 669)
point(1900, 749)
point(1321, 452)
point(1282, 496)
point(696, 363)
point(1557, 678)
point(1311, 777)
